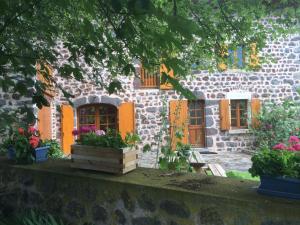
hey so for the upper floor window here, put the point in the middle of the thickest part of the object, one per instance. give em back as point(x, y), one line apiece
point(155, 80)
point(103, 116)
point(236, 57)
point(239, 113)
point(149, 80)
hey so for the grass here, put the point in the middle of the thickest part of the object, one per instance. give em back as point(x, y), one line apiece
point(241, 175)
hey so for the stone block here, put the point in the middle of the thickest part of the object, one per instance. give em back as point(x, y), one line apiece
point(175, 209)
point(80, 101)
point(94, 99)
point(209, 121)
point(112, 101)
point(211, 131)
point(151, 109)
point(209, 142)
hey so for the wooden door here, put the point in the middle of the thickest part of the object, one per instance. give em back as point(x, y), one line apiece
point(196, 123)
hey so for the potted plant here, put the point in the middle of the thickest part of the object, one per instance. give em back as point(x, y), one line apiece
point(25, 146)
point(279, 169)
point(104, 151)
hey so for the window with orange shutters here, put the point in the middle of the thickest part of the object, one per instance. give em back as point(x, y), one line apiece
point(103, 116)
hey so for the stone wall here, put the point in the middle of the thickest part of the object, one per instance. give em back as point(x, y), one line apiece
point(142, 197)
point(274, 81)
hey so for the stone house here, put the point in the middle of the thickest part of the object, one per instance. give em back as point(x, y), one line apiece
point(218, 120)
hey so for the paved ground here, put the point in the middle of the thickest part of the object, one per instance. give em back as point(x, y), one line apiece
point(230, 160)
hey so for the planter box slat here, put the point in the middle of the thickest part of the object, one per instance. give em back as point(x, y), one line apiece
point(103, 159)
point(96, 159)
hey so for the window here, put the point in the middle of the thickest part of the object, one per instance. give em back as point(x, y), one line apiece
point(149, 80)
point(239, 114)
point(103, 116)
point(156, 80)
point(236, 57)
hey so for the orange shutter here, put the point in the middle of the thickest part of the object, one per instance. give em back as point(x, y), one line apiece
point(67, 126)
point(254, 59)
point(224, 114)
point(166, 86)
point(44, 123)
point(126, 118)
point(178, 121)
point(255, 108)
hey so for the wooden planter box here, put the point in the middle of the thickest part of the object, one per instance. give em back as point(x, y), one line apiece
point(103, 159)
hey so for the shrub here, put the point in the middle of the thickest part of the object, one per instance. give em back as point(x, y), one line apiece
point(276, 162)
point(276, 123)
point(54, 152)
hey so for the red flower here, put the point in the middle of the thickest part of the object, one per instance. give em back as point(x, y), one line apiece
point(34, 141)
point(21, 131)
point(31, 130)
point(280, 146)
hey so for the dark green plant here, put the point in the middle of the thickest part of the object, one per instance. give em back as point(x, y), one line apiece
point(23, 149)
point(31, 218)
point(277, 122)
point(276, 163)
point(132, 139)
point(110, 139)
point(55, 151)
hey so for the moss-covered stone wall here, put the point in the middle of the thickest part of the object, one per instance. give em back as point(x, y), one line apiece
point(142, 197)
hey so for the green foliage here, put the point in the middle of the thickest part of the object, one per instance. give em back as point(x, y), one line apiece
point(277, 122)
point(111, 139)
point(24, 152)
point(55, 151)
point(177, 160)
point(132, 139)
point(31, 218)
point(276, 163)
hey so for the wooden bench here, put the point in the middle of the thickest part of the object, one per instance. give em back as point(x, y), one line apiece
point(196, 161)
point(216, 170)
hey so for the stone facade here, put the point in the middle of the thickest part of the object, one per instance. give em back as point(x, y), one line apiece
point(274, 81)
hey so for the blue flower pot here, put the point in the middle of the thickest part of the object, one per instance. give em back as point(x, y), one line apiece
point(279, 187)
point(11, 153)
point(41, 154)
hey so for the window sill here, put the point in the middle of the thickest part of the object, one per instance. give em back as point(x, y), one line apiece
point(239, 131)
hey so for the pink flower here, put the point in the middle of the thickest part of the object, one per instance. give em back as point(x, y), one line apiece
point(75, 132)
point(280, 146)
point(297, 147)
point(84, 130)
point(291, 149)
point(92, 128)
point(100, 132)
point(294, 139)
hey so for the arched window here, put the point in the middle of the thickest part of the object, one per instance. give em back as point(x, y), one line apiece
point(103, 116)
